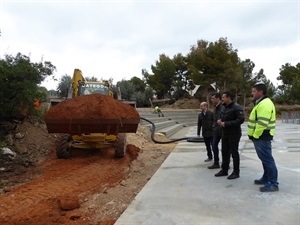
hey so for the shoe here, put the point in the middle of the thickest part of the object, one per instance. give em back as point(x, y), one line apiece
point(214, 166)
point(221, 173)
point(208, 160)
point(232, 176)
point(260, 181)
point(269, 187)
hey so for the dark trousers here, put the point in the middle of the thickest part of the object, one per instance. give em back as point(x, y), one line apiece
point(215, 148)
point(160, 113)
point(208, 143)
point(230, 146)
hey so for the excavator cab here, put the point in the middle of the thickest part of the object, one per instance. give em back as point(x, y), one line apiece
point(88, 88)
point(80, 86)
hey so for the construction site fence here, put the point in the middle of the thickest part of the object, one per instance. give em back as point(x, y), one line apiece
point(290, 117)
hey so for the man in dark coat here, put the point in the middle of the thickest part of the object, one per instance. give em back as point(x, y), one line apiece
point(232, 116)
point(205, 121)
point(216, 100)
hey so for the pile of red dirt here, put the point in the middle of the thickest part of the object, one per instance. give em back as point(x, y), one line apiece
point(94, 113)
point(95, 106)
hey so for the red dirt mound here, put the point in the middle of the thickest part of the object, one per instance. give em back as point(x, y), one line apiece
point(95, 106)
point(94, 113)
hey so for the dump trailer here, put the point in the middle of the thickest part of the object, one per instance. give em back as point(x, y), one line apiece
point(91, 118)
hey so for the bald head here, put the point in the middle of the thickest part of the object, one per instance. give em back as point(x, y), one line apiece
point(203, 106)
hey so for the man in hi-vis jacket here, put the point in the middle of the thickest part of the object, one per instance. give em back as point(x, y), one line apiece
point(261, 129)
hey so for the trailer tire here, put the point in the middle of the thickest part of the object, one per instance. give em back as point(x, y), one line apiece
point(120, 145)
point(63, 149)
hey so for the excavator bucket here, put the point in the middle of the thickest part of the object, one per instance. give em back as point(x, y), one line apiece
point(94, 113)
point(86, 126)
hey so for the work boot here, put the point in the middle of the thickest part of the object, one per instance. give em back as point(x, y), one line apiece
point(234, 175)
point(221, 173)
point(269, 187)
point(214, 166)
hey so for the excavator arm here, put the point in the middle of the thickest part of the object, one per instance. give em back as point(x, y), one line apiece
point(77, 80)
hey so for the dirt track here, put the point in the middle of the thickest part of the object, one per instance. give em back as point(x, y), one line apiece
point(63, 181)
point(90, 188)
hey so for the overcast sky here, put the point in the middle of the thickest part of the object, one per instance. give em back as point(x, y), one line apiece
point(117, 39)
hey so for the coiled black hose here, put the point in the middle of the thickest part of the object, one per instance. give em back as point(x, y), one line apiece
point(188, 139)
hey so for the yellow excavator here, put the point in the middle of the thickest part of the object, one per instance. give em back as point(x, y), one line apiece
point(87, 139)
point(80, 86)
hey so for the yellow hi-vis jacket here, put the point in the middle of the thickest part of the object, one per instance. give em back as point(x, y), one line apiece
point(262, 120)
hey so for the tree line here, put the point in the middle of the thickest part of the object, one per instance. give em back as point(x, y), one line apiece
point(174, 77)
point(218, 63)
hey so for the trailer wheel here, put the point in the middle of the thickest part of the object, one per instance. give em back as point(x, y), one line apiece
point(63, 150)
point(120, 145)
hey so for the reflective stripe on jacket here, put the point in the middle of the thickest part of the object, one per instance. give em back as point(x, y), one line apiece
point(262, 120)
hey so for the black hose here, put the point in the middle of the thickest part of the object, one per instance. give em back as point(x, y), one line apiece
point(188, 139)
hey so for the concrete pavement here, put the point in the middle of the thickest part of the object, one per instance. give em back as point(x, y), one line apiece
point(184, 192)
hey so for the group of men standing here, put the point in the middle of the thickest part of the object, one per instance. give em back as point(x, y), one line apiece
point(224, 124)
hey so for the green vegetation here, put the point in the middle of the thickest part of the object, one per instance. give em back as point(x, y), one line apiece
point(289, 91)
point(206, 63)
point(19, 80)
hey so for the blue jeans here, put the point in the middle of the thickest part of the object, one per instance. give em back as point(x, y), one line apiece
point(215, 148)
point(264, 152)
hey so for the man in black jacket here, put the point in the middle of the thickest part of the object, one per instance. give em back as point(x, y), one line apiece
point(217, 129)
point(205, 121)
point(232, 116)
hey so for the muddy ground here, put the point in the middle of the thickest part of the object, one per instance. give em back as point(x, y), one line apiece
point(90, 188)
